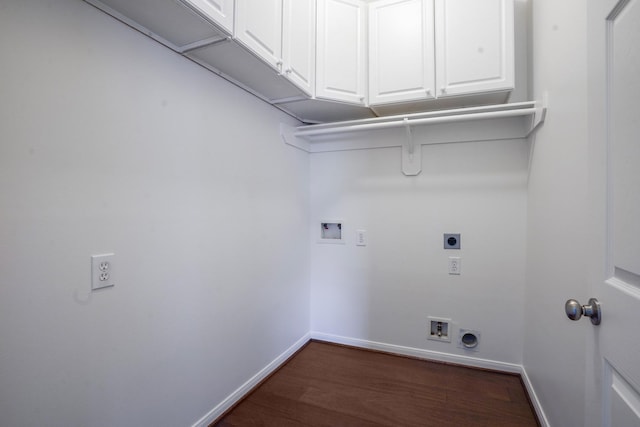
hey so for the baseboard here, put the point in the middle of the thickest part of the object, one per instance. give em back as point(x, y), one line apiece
point(420, 353)
point(245, 388)
point(542, 417)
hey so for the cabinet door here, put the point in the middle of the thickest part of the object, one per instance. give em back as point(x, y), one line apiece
point(401, 51)
point(341, 58)
point(474, 46)
point(259, 28)
point(299, 43)
point(218, 11)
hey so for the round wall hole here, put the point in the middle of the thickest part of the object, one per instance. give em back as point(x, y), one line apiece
point(469, 340)
point(452, 241)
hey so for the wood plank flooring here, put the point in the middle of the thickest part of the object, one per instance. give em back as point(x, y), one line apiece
point(330, 385)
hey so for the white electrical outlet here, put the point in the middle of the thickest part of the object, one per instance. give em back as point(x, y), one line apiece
point(455, 264)
point(102, 271)
point(361, 237)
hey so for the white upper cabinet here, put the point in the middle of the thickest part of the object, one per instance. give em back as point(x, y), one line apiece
point(474, 46)
point(259, 27)
point(282, 33)
point(341, 57)
point(374, 57)
point(401, 51)
point(299, 43)
point(219, 11)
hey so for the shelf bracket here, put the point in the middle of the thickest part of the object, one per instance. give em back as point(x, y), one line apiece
point(539, 115)
point(287, 133)
point(411, 153)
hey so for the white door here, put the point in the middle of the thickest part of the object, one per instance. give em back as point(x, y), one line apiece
point(259, 28)
point(341, 51)
point(613, 400)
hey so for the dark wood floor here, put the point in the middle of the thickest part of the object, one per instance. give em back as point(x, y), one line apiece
point(330, 385)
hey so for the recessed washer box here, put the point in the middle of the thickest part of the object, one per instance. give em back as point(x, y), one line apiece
point(439, 329)
point(452, 240)
point(331, 231)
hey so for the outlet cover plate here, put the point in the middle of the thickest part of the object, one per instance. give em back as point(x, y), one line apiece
point(102, 271)
point(455, 265)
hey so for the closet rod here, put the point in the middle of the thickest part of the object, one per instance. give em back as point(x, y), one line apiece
point(415, 122)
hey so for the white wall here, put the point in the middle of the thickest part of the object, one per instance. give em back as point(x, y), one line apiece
point(384, 292)
point(556, 238)
point(111, 142)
